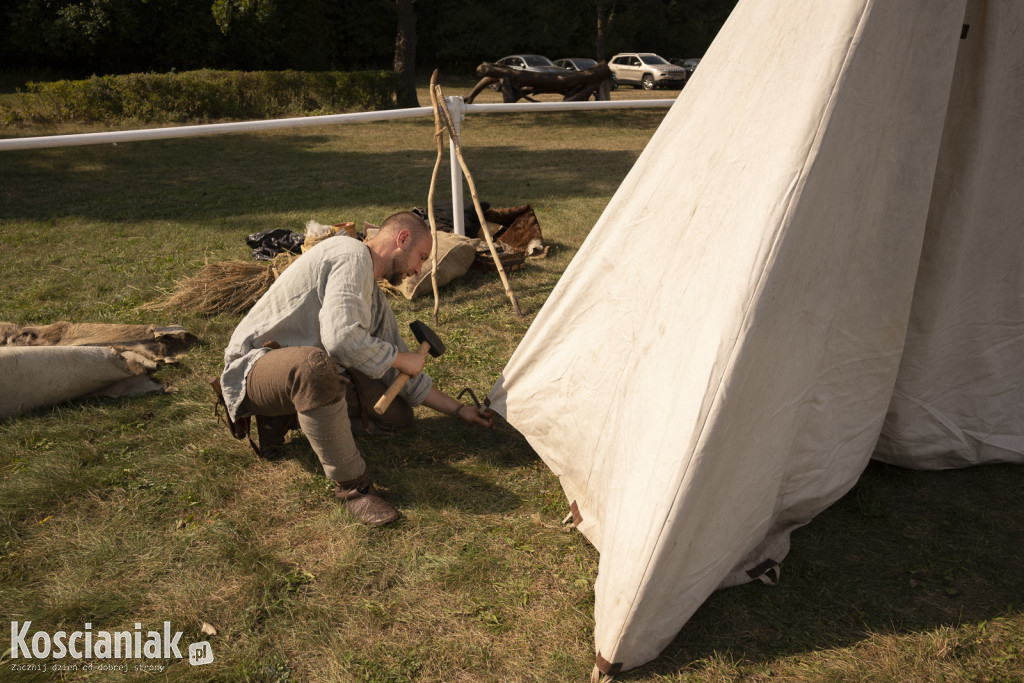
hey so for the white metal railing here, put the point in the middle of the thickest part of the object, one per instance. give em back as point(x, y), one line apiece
point(456, 106)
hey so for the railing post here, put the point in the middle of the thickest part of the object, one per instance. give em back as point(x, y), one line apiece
point(455, 108)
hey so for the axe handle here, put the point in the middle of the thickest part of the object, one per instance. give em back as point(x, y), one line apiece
point(384, 401)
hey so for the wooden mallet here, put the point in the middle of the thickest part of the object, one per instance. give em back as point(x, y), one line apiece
point(429, 343)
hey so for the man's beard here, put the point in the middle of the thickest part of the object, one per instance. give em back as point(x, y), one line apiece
point(400, 264)
point(397, 274)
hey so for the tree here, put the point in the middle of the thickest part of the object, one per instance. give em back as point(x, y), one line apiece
point(605, 11)
point(405, 54)
point(254, 14)
point(227, 12)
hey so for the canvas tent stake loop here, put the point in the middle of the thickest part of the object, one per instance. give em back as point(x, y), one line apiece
point(597, 676)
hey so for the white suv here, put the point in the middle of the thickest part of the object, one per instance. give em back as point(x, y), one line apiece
point(646, 70)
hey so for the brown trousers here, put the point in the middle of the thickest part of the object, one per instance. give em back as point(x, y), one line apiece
point(298, 379)
point(329, 404)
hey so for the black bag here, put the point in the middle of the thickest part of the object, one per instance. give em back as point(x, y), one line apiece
point(269, 243)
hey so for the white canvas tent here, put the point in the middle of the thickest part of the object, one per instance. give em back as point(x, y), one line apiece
point(816, 260)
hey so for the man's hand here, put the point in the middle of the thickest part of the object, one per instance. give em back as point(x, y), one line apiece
point(409, 362)
point(484, 418)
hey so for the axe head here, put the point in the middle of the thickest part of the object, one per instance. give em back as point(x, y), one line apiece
point(425, 334)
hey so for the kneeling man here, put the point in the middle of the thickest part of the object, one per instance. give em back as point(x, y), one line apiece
point(319, 348)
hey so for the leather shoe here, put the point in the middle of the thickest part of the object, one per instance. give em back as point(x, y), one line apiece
point(363, 502)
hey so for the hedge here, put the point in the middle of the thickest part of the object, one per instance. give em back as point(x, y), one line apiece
point(202, 96)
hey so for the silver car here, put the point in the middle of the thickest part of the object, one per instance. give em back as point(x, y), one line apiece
point(530, 63)
point(646, 70)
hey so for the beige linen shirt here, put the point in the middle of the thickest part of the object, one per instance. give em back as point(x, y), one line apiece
point(327, 298)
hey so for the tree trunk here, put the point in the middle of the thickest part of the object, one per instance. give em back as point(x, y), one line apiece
point(405, 54)
point(602, 27)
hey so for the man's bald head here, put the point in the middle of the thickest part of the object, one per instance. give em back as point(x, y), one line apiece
point(400, 247)
point(405, 220)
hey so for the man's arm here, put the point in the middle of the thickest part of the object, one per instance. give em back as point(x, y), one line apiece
point(444, 403)
point(409, 362)
point(346, 317)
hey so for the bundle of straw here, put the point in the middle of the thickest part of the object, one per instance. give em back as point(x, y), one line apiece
point(224, 287)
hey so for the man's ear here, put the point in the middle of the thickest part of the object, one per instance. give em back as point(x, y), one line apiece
point(402, 237)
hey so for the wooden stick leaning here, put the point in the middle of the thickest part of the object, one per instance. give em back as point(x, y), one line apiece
point(438, 98)
point(438, 129)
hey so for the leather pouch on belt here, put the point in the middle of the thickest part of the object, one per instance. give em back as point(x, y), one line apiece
point(240, 428)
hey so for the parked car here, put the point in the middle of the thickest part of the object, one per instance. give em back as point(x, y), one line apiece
point(581, 64)
point(529, 63)
point(690, 64)
point(576, 63)
point(538, 63)
point(646, 70)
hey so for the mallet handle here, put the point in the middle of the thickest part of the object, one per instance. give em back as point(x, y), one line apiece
point(384, 401)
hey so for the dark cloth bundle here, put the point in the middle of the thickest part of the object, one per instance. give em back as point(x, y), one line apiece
point(444, 218)
point(269, 243)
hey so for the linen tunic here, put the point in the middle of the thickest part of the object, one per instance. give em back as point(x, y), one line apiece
point(326, 298)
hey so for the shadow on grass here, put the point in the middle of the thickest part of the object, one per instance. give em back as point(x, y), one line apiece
point(206, 179)
point(903, 552)
point(483, 292)
point(425, 464)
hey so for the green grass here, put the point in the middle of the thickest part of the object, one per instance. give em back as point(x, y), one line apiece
point(145, 510)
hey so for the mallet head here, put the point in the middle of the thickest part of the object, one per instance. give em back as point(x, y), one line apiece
point(425, 334)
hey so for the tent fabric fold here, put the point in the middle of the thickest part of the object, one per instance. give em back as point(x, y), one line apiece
point(959, 398)
point(736, 380)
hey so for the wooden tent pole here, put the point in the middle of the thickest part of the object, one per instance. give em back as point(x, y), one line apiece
point(433, 183)
point(438, 97)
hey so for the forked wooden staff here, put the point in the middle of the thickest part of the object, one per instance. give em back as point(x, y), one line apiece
point(438, 130)
point(442, 115)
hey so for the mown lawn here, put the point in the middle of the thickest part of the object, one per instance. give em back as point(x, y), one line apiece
point(144, 510)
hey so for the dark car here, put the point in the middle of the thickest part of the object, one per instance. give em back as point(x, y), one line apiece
point(581, 64)
point(538, 63)
point(576, 63)
point(690, 64)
